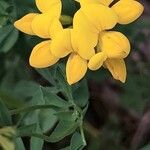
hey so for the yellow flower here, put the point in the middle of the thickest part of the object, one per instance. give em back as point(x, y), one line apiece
point(88, 43)
point(61, 46)
point(41, 24)
point(126, 10)
point(76, 68)
point(88, 22)
point(104, 2)
point(45, 25)
point(80, 41)
point(113, 47)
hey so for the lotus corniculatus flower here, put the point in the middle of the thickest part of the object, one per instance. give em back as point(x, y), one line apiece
point(45, 25)
point(89, 43)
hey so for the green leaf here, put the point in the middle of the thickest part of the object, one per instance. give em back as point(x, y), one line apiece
point(81, 94)
point(76, 142)
point(3, 7)
point(19, 144)
point(69, 7)
point(66, 148)
point(5, 117)
point(47, 73)
point(26, 89)
point(63, 129)
point(62, 81)
point(67, 115)
point(47, 119)
point(147, 147)
point(53, 99)
point(37, 95)
point(36, 143)
point(8, 38)
point(24, 7)
point(26, 130)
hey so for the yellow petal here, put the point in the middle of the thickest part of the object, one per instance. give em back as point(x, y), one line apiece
point(51, 6)
point(41, 56)
point(115, 44)
point(61, 44)
point(117, 68)
point(83, 36)
point(76, 68)
point(104, 2)
point(83, 2)
point(97, 61)
point(102, 17)
point(46, 26)
point(41, 24)
point(127, 11)
point(24, 24)
point(55, 27)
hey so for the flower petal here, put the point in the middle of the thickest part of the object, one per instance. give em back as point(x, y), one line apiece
point(102, 17)
point(46, 26)
point(61, 44)
point(128, 10)
point(83, 36)
point(115, 44)
point(76, 68)
point(55, 27)
point(51, 6)
point(117, 68)
point(41, 56)
point(97, 61)
point(24, 24)
point(41, 24)
point(104, 2)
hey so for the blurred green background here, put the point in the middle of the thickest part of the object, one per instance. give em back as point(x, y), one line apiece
point(119, 114)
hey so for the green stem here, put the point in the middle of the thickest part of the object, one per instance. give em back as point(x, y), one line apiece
point(82, 135)
point(31, 108)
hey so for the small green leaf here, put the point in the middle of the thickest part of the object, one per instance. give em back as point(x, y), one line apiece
point(76, 142)
point(19, 144)
point(69, 7)
point(66, 20)
point(8, 38)
point(147, 147)
point(81, 94)
point(66, 148)
point(63, 129)
point(3, 7)
point(53, 99)
point(47, 119)
point(36, 143)
point(62, 81)
point(26, 130)
point(47, 73)
point(5, 117)
point(67, 115)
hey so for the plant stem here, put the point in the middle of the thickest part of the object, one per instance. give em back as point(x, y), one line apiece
point(82, 135)
point(31, 108)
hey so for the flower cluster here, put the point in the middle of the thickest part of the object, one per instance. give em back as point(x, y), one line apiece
point(89, 43)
